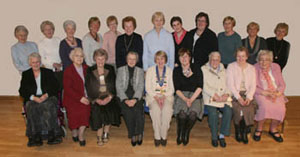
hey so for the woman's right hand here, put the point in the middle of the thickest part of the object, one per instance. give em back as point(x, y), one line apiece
point(242, 101)
point(84, 100)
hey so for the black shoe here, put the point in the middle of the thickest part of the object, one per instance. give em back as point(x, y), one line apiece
point(222, 142)
point(214, 143)
point(243, 131)
point(156, 142)
point(133, 141)
point(188, 127)
point(257, 137)
point(163, 142)
point(75, 139)
point(82, 143)
point(31, 142)
point(54, 140)
point(180, 129)
point(140, 139)
point(277, 139)
point(237, 133)
point(38, 140)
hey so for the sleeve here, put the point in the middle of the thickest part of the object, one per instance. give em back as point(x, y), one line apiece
point(286, 56)
point(43, 55)
point(120, 86)
point(140, 51)
point(281, 86)
point(150, 87)
point(258, 89)
point(140, 90)
point(145, 55)
point(214, 42)
point(112, 77)
point(171, 56)
point(87, 50)
point(239, 42)
point(69, 90)
point(207, 89)
point(23, 90)
point(170, 90)
point(199, 78)
point(230, 82)
point(119, 54)
point(16, 60)
point(263, 43)
point(52, 84)
point(252, 89)
point(176, 78)
point(62, 53)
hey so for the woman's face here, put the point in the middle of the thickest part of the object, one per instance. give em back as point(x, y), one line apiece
point(215, 61)
point(158, 22)
point(48, 31)
point(241, 57)
point(21, 36)
point(177, 26)
point(112, 25)
point(185, 59)
point(70, 31)
point(78, 58)
point(228, 26)
point(94, 27)
point(264, 62)
point(128, 27)
point(131, 60)
point(280, 33)
point(35, 64)
point(201, 23)
point(100, 61)
point(160, 61)
point(252, 31)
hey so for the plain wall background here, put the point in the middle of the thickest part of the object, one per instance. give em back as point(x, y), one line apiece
point(32, 12)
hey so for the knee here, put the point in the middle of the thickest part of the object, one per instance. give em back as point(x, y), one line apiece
point(193, 115)
point(182, 114)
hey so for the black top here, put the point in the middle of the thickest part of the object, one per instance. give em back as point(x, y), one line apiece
point(260, 44)
point(191, 83)
point(182, 44)
point(134, 42)
point(65, 50)
point(205, 44)
point(281, 50)
point(28, 86)
point(130, 91)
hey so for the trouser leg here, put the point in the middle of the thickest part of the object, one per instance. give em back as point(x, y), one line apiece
point(213, 120)
point(226, 120)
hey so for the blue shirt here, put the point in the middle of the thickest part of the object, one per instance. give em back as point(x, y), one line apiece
point(153, 43)
point(228, 46)
point(20, 53)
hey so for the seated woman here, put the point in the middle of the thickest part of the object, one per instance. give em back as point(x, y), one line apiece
point(269, 95)
point(159, 98)
point(39, 89)
point(101, 90)
point(130, 89)
point(188, 83)
point(75, 97)
point(241, 81)
point(216, 96)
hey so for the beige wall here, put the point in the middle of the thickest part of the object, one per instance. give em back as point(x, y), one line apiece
point(32, 12)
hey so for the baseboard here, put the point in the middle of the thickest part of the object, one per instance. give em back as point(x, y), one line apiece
point(10, 97)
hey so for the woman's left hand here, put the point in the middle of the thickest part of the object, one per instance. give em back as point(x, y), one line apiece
point(247, 102)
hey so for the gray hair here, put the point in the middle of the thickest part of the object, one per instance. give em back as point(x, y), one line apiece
point(99, 53)
point(69, 22)
point(265, 52)
point(34, 55)
point(214, 53)
point(133, 53)
point(21, 28)
point(73, 52)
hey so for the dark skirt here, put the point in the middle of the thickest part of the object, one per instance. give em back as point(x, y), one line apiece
point(108, 114)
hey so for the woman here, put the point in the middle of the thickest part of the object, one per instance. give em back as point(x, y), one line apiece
point(22, 49)
point(279, 46)
point(253, 42)
point(129, 41)
point(130, 89)
point(100, 85)
point(158, 39)
point(202, 40)
point(92, 40)
point(159, 97)
point(39, 90)
point(228, 41)
point(75, 97)
point(179, 37)
point(216, 97)
point(241, 81)
point(109, 39)
point(188, 83)
point(69, 43)
point(269, 95)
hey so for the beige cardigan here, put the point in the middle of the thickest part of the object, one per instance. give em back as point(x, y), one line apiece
point(214, 82)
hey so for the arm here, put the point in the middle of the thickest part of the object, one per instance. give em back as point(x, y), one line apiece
point(119, 54)
point(16, 61)
point(283, 64)
point(140, 51)
point(281, 86)
point(24, 89)
point(87, 50)
point(120, 85)
point(170, 89)
point(171, 55)
point(150, 83)
point(145, 54)
point(252, 79)
point(140, 87)
point(69, 90)
point(230, 82)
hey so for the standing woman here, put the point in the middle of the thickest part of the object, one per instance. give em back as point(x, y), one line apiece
point(100, 84)
point(75, 97)
point(159, 97)
point(188, 83)
point(253, 42)
point(109, 39)
point(158, 39)
point(130, 89)
point(228, 41)
point(129, 41)
point(22, 49)
point(279, 46)
point(241, 81)
point(202, 40)
point(69, 43)
point(179, 37)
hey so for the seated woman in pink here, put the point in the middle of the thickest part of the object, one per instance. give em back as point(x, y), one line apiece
point(269, 95)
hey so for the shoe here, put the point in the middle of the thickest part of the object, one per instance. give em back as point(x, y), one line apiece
point(257, 137)
point(180, 129)
point(277, 139)
point(237, 133)
point(163, 142)
point(54, 140)
point(214, 143)
point(31, 142)
point(38, 140)
point(140, 139)
point(82, 143)
point(105, 137)
point(133, 141)
point(75, 139)
point(156, 142)
point(222, 142)
point(99, 141)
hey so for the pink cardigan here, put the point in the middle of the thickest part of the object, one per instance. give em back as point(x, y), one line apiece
point(109, 44)
point(234, 79)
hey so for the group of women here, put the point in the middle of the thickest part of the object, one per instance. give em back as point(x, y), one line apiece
point(178, 73)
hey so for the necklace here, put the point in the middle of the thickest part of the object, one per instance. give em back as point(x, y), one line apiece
point(129, 44)
point(162, 80)
point(95, 37)
point(276, 53)
point(72, 42)
point(186, 72)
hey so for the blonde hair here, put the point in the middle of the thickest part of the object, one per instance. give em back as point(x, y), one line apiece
point(161, 54)
point(253, 24)
point(74, 51)
point(45, 23)
point(264, 52)
point(229, 18)
point(110, 19)
point(282, 26)
point(157, 15)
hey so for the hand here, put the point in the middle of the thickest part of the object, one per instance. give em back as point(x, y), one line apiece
point(189, 103)
point(37, 99)
point(247, 102)
point(44, 97)
point(84, 100)
point(266, 93)
point(107, 100)
point(99, 101)
point(216, 98)
point(225, 97)
point(130, 103)
point(57, 66)
point(241, 101)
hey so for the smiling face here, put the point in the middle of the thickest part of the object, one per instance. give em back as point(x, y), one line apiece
point(201, 23)
point(48, 31)
point(185, 59)
point(265, 61)
point(94, 27)
point(241, 57)
point(35, 63)
point(78, 58)
point(128, 27)
point(215, 61)
point(228, 25)
point(280, 33)
point(21, 36)
point(177, 26)
point(131, 60)
point(252, 31)
point(100, 61)
point(113, 25)
point(70, 31)
point(160, 61)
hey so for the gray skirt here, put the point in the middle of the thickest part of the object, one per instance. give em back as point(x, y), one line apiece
point(197, 105)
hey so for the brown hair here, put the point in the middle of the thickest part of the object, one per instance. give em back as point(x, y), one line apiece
point(183, 51)
point(282, 26)
point(241, 49)
point(229, 18)
point(99, 53)
point(93, 19)
point(129, 19)
point(253, 24)
point(161, 54)
point(110, 19)
point(44, 23)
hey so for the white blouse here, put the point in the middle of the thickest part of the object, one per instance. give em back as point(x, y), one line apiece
point(49, 51)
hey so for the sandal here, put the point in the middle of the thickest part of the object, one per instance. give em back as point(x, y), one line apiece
point(99, 141)
point(105, 137)
point(257, 137)
point(277, 139)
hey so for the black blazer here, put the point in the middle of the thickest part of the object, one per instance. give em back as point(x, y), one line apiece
point(28, 86)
